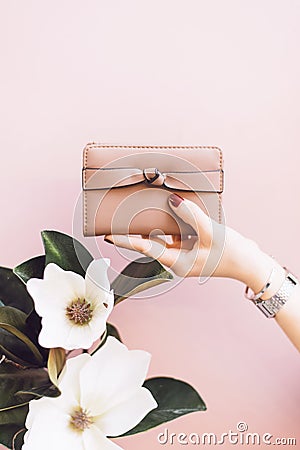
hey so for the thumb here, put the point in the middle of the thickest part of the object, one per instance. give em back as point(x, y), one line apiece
point(193, 215)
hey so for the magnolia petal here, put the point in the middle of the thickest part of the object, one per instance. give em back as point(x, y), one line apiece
point(105, 305)
point(111, 375)
point(54, 273)
point(75, 282)
point(100, 315)
point(126, 415)
point(80, 336)
point(48, 428)
point(55, 331)
point(96, 280)
point(68, 380)
point(94, 439)
point(97, 327)
point(56, 290)
point(36, 406)
point(60, 439)
point(47, 296)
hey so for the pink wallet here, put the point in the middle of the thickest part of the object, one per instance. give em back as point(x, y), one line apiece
point(126, 188)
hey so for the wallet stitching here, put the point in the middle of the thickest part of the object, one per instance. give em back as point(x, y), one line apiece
point(85, 193)
point(95, 145)
point(221, 184)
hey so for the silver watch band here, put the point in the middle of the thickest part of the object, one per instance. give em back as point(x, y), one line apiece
point(271, 306)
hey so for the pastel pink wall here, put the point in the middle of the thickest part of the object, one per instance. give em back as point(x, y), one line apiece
point(166, 72)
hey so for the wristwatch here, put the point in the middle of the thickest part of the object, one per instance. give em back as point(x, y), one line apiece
point(271, 306)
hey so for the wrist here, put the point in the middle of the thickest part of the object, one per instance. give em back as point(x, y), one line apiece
point(254, 268)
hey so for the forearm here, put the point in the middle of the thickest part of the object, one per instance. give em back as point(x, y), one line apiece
point(254, 267)
point(288, 318)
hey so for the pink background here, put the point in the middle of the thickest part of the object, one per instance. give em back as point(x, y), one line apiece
point(166, 72)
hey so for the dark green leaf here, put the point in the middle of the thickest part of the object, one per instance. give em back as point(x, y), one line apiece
point(175, 398)
point(111, 330)
point(139, 275)
point(13, 292)
point(16, 382)
point(66, 252)
point(8, 432)
point(15, 336)
point(18, 439)
point(34, 326)
point(34, 323)
point(5, 349)
point(33, 268)
point(15, 415)
point(47, 390)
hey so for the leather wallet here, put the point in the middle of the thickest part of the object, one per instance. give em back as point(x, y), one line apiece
point(126, 188)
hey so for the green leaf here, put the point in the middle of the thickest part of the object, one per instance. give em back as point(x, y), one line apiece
point(14, 408)
point(33, 268)
point(18, 439)
point(139, 275)
point(34, 326)
point(14, 349)
point(47, 390)
point(15, 381)
point(175, 398)
point(13, 292)
point(8, 432)
point(15, 415)
point(34, 322)
point(66, 252)
point(4, 350)
point(111, 330)
point(14, 336)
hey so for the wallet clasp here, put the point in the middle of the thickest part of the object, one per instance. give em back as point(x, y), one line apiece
point(154, 176)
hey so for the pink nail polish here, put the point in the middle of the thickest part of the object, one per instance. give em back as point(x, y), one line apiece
point(175, 200)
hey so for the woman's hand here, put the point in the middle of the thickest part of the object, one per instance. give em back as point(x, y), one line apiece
point(217, 250)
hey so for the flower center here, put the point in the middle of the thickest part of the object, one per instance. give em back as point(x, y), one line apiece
point(79, 311)
point(80, 420)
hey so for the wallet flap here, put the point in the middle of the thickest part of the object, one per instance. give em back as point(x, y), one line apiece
point(110, 178)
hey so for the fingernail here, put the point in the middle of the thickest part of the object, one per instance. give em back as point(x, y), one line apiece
point(108, 240)
point(175, 200)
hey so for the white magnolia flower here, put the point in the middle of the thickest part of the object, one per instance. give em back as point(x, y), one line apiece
point(101, 395)
point(74, 310)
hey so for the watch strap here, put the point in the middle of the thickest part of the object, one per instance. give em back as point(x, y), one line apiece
point(271, 306)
